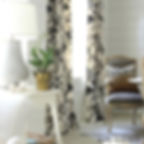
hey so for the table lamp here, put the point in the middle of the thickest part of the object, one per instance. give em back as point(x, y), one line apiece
point(18, 24)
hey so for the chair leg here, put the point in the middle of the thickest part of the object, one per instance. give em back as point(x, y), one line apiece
point(135, 115)
point(109, 118)
point(56, 123)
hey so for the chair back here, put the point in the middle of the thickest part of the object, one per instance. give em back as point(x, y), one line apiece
point(119, 69)
point(121, 66)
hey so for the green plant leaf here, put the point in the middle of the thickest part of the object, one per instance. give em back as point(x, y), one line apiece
point(36, 63)
point(42, 58)
point(34, 53)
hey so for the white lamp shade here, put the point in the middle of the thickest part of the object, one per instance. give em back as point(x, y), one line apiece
point(17, 19)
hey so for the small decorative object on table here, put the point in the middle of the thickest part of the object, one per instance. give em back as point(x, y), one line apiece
point(42, 59)
point(31, 139)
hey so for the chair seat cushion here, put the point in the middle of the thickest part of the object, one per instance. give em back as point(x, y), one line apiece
point(124, 97)
point(122, 84)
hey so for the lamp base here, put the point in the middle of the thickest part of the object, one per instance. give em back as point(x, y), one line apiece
point(13, 69)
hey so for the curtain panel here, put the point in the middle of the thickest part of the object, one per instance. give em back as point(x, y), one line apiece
point(95, 64)
point(59, 37)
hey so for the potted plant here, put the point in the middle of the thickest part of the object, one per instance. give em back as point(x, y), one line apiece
point(41, 60)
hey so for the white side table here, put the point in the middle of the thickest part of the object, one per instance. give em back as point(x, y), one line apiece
point(45, 98)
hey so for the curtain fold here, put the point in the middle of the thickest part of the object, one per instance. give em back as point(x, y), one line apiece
point(95, 64)
point(59, 37)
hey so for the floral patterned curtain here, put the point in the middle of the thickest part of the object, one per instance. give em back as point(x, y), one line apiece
point(59, 37)
point(95, 64)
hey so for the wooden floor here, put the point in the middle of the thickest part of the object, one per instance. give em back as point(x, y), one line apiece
point(123, 129)
point(130, 134)
point(75, 137)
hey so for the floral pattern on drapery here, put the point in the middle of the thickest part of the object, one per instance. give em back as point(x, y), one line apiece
point(95, 64)
point(59, 37)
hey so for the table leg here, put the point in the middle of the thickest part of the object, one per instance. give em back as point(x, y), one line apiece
point(56, 123)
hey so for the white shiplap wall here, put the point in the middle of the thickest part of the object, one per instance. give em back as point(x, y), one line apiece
point(122, 27)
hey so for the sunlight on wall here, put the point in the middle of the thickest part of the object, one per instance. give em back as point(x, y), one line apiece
point(79, 53)
point(79, 22)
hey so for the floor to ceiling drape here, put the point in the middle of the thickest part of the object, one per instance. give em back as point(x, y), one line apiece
point(59, 37)
point(95, 63)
